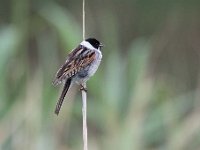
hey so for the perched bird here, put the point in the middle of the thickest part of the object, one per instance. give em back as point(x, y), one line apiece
point(81, 63)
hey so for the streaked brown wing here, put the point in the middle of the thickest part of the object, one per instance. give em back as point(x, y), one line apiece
point(77, 60)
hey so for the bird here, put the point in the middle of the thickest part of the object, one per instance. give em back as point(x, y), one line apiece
point(81, 63)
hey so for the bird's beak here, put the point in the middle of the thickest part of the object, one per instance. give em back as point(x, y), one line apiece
point(101, 45)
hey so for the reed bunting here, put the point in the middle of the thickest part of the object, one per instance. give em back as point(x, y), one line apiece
point(81, 63)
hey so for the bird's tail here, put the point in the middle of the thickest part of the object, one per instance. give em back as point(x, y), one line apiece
point(62, 96)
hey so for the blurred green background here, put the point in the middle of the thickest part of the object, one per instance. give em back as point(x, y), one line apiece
point(144, 96)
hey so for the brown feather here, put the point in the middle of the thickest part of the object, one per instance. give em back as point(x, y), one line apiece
point(77, 60)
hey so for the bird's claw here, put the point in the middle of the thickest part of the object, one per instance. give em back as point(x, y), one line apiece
point(83, 88)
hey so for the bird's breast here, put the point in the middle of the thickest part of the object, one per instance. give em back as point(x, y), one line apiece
point(84, 75)
point(95, 64)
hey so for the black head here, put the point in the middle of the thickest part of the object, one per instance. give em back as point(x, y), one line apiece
point(94, 42)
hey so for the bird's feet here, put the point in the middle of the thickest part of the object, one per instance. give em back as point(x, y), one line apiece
point(83, 88)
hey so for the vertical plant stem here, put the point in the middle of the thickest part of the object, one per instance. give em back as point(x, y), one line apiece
point(84, 111)
point(83, 19)
point(84, 95)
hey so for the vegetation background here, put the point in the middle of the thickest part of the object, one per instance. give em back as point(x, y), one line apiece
point(145, 95)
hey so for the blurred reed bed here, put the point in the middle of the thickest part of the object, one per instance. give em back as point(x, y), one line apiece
point(145, 95)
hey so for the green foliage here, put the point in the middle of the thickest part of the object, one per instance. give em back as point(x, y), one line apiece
point(144, 96)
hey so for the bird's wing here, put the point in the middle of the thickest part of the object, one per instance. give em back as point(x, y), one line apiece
point(77, 60)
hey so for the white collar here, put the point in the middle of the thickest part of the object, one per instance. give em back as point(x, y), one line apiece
point(87, 45)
